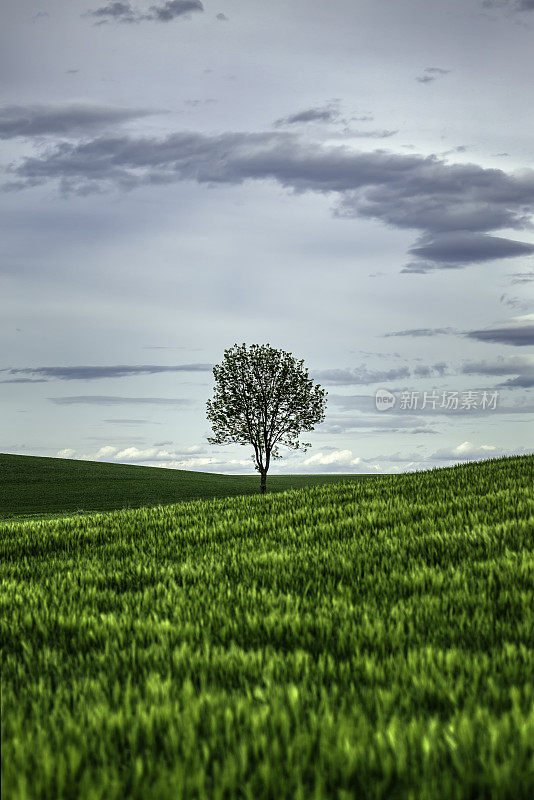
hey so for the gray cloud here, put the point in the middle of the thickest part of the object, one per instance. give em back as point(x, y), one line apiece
point(363, 376)
point(425, 371)
point(173, 9)
point(422, 332)
point(109, 400)
point(522, 367)
point(360, 375)
point(512, 5)
point(94, 373)
point(118, 11)
point(351, 133)
point(124, 12)
point(376, 423)
point(522, 277)
point(515, 302)
point(24, 380)
point(365, 405)
point(67, 119)
point(431, 73)
point(322, 114)
point(331, 114)
point(516, 333)
point(457, 248)
point(455, 205)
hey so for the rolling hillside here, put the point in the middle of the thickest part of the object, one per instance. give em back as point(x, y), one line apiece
point(369, 640)
point(33, 486)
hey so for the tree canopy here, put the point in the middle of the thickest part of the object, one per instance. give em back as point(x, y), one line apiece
point(263, 397)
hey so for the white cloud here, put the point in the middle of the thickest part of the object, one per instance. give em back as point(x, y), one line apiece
point(136, 454)
point(467, 451)
point(107, 451)
point(337, 459)
point(68, 452)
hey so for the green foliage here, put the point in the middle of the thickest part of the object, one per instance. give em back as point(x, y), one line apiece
point(33, 486)
point(263, 397)
point(368, 640)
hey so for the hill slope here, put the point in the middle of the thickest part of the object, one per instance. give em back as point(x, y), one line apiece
point(373, 640)
point(31, 485)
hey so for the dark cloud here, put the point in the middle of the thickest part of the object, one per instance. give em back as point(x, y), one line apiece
point(68, 119)
point(107, 400)
point(512, 5)
point(173, 9)
point(422, 332)
point(24, 380)
point(95, 373)
point(518, 334)
point(455, 205)
point(118, 11)
point(322, 114)
point(331, 114)
point(519, 382)
point(458, 248)
point(522, 367)
point(431, 73)
point(164, 12)
point(222, 17)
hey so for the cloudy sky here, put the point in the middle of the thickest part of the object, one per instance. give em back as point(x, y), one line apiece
point(352, 181)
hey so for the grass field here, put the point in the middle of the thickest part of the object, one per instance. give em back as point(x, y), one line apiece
point(32, 486)
point(365, 640)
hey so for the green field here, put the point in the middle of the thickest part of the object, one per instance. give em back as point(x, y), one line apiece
point(32, 486)
point(363, 640)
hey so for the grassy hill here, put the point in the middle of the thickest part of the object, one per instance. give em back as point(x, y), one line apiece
point(372, 639)
point(30, 485)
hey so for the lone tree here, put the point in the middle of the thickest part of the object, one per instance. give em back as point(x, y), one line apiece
point(265, 398)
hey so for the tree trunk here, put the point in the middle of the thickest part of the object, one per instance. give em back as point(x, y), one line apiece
point(263, 481)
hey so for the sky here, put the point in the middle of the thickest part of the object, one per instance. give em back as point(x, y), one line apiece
point(351, 181)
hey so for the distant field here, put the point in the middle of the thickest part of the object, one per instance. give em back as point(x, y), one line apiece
point(367, 640)
point(33, 486)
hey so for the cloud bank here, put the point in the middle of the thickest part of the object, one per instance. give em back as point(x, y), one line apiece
point(518, 332)
point(113, 400)
point(63, 119)
point(124, 12)
point(521, 367)
point(431, 74)
point(455, 206)
point(96, 373)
